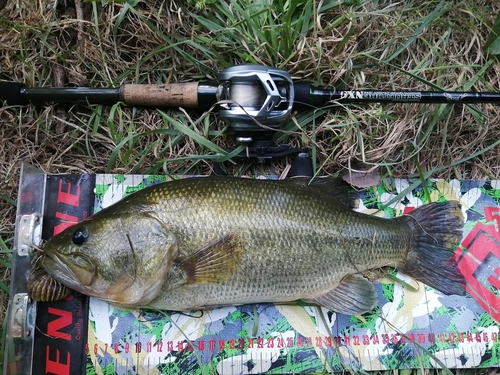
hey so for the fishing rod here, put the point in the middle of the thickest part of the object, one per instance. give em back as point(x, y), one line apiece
point(254, 99)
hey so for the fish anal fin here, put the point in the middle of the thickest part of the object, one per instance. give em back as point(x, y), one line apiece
point(354, 295)
point(213, 263)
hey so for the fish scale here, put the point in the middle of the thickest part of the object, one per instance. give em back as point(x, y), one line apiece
point(203, 242)
point(278, 222)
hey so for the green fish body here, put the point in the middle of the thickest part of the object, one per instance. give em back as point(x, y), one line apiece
point(202, 242)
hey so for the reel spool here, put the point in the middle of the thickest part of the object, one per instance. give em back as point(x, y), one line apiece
point(255, 95)
point(257, 101)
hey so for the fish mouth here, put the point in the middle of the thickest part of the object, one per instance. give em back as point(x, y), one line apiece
point(60, 271)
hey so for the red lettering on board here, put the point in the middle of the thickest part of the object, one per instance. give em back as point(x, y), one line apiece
point(492, 214)
point(431, 337)
point(64, 320)
point(328, 341)
point(270, 342)
point(69, 220)
point(57, 367)
point(480, 263)
point(408, 209)
point(300, 342)
point(66, 197)
point(317, 341)
point(241, 343)
point(281, 342)
point(260, 343)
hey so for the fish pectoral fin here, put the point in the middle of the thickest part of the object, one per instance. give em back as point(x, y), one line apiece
point(354, 295)
point(213, 263)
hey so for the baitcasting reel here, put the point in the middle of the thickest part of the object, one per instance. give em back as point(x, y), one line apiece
point(256, 101)
point(255, 98)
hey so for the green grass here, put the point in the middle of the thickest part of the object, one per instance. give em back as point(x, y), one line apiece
point(287, 34)
point(5, 257)
point(6, 244)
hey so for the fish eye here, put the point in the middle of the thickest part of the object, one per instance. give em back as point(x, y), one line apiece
point(80, 235)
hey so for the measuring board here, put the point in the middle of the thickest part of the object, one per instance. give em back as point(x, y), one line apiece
point(409, 329)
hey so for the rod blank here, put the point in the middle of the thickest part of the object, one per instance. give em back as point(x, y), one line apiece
point(308, 95)
point(10, 92)
point(70, 94)
point(204, 94)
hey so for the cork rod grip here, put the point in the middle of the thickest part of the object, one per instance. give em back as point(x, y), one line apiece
point(163, 95)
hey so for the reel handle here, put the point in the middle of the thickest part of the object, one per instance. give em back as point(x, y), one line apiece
point(200, 95)
point(193, 94)
point(176, 94)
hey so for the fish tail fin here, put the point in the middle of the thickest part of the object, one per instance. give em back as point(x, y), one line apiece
point(436, 233)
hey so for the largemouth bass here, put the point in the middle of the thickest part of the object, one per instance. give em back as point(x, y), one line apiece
point(203, 242)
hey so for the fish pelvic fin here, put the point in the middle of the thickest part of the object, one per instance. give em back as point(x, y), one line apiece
point(436, 231)
point(354, 295)
point(213, 263)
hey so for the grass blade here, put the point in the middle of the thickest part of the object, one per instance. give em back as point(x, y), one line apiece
point(437, 12)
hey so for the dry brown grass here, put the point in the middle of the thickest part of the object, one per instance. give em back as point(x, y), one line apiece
point(87, 43)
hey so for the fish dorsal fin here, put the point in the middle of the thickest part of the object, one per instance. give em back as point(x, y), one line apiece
point(331, 187)
point(213, 263)
point(354, 295)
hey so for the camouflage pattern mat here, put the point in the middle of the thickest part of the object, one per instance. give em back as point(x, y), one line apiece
point(418, 328)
